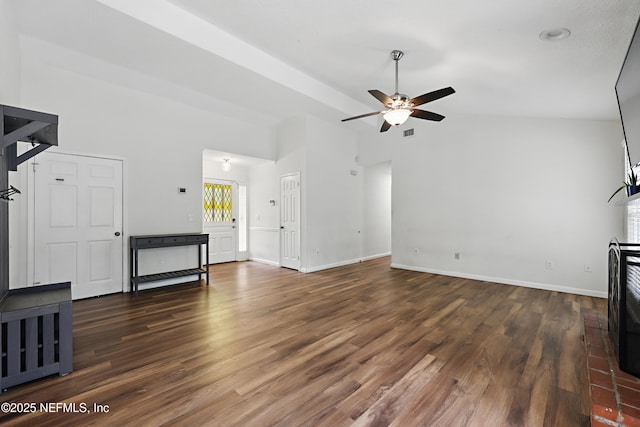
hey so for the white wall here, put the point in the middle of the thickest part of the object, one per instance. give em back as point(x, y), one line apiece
point(331, 196)
point(334, 196)
point(213, 169)
point(264, 185)
point(508, 194)
point(9, 56)
point(10, 95)
point(264, 219)
point(238, 172)
point(161, 142)
point(376, 211)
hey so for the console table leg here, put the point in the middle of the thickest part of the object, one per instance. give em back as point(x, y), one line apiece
point(135, 273)
point(207, 256)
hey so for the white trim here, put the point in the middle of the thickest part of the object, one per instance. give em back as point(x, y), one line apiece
point(265, 261)
point(370, 257)
point(328, 266)
point(343, 263)
point(126, 276)
point(523, 283)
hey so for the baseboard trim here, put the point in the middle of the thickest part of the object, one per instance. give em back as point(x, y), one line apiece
point(370, 257)
point(523, 283)
point(265, 261)
point(343, 263)
point(328, 266)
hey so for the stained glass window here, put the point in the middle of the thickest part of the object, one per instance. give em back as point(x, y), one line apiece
point(217, 202)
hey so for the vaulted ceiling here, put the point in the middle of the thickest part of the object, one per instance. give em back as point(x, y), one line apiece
point(265, 60)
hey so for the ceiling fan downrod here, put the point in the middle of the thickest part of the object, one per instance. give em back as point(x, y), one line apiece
point(396, 55)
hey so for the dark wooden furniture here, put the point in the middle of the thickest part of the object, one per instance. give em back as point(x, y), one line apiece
point(36, 333)
point(18, 125)
point(137, 243)
point(36, 325)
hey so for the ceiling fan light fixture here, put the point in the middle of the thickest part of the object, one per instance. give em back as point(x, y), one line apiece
point(397, 116)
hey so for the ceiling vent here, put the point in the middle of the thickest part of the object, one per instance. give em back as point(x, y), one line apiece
point(407, 132)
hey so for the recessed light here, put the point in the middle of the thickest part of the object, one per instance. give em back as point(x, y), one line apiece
point(555, 34)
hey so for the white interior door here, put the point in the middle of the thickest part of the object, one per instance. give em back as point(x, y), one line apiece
point(290, 221)
point(220, 219)
point(77, 223)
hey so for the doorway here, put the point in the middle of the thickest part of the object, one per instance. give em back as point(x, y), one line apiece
point(220, 219)
point(290, 221)
point(75, 210)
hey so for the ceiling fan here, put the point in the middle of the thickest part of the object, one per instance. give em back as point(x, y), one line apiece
point(400, 107)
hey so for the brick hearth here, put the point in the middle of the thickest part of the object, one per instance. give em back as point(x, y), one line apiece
point(615, 395)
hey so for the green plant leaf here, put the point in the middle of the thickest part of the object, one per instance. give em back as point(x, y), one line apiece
point(617, 191)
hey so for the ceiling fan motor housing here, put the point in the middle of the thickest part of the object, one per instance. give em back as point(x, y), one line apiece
point(400, 100)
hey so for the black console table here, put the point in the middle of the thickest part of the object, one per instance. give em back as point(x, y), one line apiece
point(166, 241)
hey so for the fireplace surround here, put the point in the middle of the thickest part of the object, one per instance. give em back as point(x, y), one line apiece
point(624, 305)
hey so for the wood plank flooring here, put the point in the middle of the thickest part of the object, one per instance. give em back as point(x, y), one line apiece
point(361, 345)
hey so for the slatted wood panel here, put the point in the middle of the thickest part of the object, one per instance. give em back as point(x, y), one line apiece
point(35, 341)
point(360, 345)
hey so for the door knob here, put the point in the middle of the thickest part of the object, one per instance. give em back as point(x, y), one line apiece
point(117, 233)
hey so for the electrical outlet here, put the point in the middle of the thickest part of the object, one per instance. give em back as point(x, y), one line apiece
point(587, 268)
point(317, 251)
point(456, 255)
point(548, 264)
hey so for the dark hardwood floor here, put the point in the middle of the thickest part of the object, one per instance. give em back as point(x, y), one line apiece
point(362, 345)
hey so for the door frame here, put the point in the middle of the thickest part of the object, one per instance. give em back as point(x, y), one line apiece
point(242, 255)
point(31, 215)
point(235, 210)
point(298, 222)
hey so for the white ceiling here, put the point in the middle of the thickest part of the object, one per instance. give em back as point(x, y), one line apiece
point(265, 60)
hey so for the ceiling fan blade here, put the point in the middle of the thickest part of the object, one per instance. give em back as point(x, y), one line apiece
point(381, 97)
point(361, 116)
point(426, 115)
point(385, 126)
point(432, 96)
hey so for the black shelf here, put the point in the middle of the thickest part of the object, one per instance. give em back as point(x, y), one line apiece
point(137, 243)
point(170, 275)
